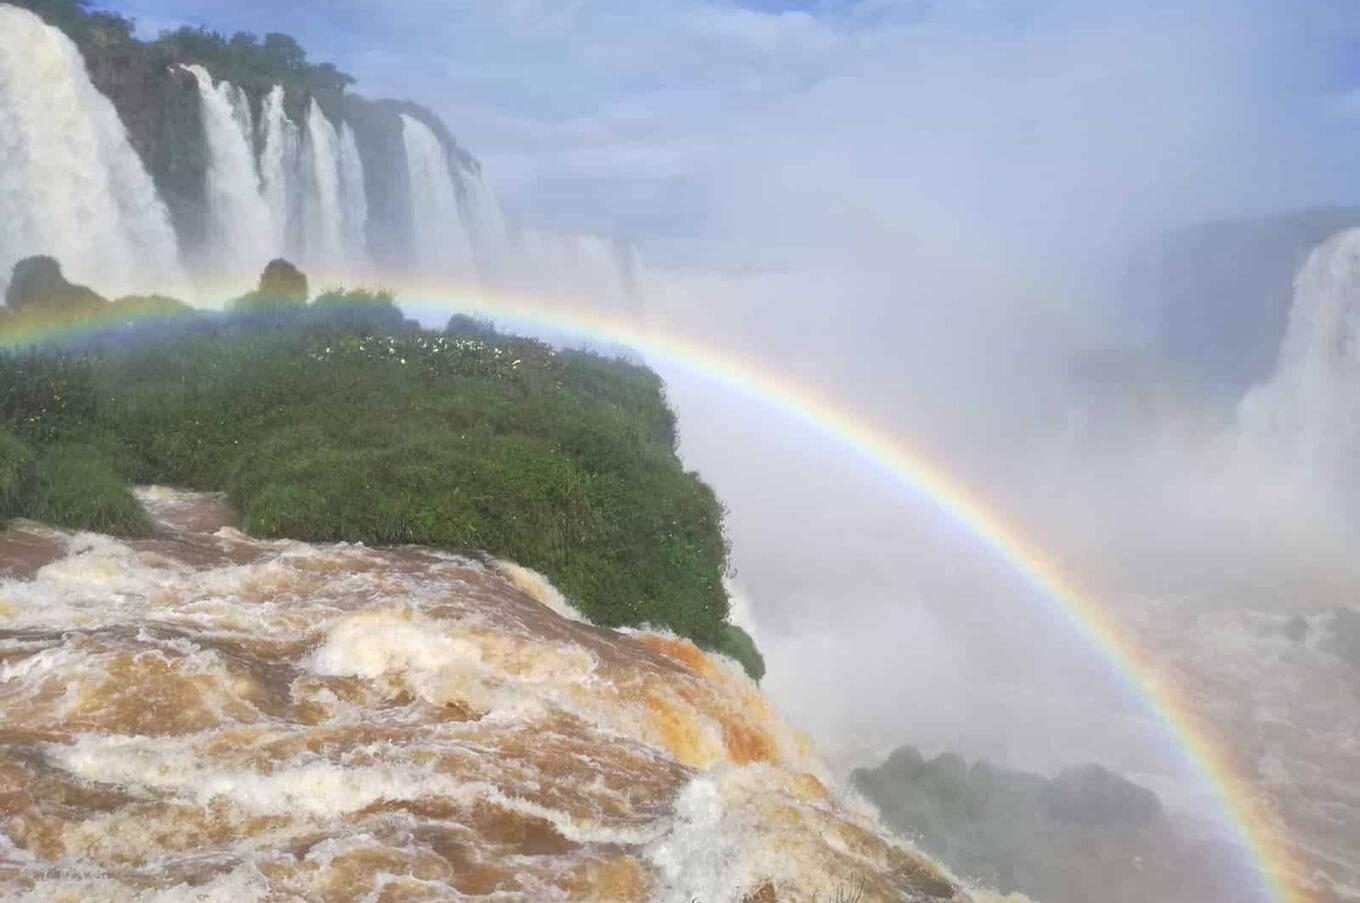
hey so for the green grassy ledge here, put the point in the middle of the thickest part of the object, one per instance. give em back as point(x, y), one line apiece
point(320, 430)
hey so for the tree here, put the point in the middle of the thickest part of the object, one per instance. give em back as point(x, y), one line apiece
point(361, 310)
point(283, 282)
point(469, 327)
point(284, 52)
point(39, 281)
point(283, 287)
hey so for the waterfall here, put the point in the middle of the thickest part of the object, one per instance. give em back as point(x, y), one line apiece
point(1309, 410)
point(579, 269)
point(442, 245)
point(70, 183)
point(312, 180)
point(353, 196)
point(241, 224)
point(484, 221)
point(278, 168)
point(72, 186)
point(323, 245)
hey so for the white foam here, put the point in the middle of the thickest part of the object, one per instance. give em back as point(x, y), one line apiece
point(537, 587)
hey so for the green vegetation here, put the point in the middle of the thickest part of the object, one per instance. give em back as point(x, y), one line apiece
point(16, 474)
point(77, 487)
point(342, 421)
point(243, 58)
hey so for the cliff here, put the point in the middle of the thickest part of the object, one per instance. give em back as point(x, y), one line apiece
point(1215, 297)
point(159, 106)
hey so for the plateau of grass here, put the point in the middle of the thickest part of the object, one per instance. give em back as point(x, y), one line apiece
point(562, 461)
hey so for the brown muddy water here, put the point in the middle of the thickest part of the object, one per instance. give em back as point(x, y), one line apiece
point(204, 716)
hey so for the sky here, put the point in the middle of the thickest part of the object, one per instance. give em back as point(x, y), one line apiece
point(916, 206)
point(666, 121)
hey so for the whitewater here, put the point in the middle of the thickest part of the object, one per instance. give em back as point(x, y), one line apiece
point(71, 184)
point(205, 716)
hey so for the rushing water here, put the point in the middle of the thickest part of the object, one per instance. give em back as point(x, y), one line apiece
point(72, 186)
point(278, 163)
point(240, 234)
point(70, 183)
point(204, 716)
point(323, 213)
point(443, 247)
point(1310, 408)
point(353, 198)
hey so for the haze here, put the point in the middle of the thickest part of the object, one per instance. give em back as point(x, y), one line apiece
point(927, 210)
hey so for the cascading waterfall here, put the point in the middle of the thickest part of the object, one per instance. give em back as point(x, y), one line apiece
point(304, 198)
point(1309, 410)
point(312, 179)
point(442, 246)
point(484, 220)
point(278, 163)
point(579, 269)
point(353, 196)
point(240, 220)
point(321, 214)
point(71, 185)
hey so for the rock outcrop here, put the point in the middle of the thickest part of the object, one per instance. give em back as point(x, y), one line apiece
point(1088, 834)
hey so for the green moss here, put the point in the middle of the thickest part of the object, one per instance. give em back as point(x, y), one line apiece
point(77, 488)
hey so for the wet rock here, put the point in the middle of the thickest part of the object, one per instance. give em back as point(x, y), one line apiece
point(1092, 795)
point(1344, 638)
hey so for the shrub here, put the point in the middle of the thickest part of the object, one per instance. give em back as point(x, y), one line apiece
point(738, 645)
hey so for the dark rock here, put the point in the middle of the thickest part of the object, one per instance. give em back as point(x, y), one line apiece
point(1344, 640)
point(1092, 795)
point(1088, 835)
point(1297, 629)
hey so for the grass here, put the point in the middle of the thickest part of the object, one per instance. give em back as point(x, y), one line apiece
point(17, 473)
point(76, 488)
point(564, 462)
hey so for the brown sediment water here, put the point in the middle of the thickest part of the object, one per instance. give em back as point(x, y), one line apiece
point(206, 716)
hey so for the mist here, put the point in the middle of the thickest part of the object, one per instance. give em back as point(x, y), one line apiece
point(929, 212)
point(926, 211)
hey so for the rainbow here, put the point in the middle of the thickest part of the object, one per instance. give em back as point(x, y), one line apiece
point(1275, 870)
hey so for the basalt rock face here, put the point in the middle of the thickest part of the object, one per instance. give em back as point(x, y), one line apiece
point(1088, 834)
point(159, 109)
point(378, 135)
